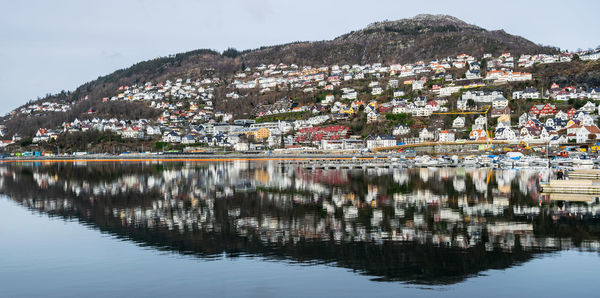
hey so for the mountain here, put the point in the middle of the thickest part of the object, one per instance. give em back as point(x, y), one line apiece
point(422, 37)
point(407, 40)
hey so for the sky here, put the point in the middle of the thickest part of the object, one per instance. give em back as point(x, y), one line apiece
point(51, 45)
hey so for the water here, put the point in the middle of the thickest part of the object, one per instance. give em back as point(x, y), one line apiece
point(257, 229)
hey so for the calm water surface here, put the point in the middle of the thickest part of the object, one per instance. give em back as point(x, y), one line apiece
point(262, 230)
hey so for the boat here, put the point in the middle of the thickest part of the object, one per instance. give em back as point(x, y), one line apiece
point(469, 161)
point(426, 161)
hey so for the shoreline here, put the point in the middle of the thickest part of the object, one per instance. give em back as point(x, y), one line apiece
point(187, 157)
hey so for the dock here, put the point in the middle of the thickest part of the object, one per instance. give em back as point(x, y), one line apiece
point(581, 182)
point(585, 174)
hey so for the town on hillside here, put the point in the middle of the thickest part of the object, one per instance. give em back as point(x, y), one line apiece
point(357, 108)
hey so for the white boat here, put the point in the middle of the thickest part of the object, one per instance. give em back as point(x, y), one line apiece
point(582, 162)
point(469, 161)
point(425, 161)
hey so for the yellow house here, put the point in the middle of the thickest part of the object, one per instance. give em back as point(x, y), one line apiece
point(261, 133)
point(258, 133)
point(348, 111)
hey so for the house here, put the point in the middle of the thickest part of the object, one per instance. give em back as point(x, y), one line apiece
point(589, 107)
point(426, 135)
point(505, 133)
point(480, 123)
point(132, 133)
point(550, 122)
point(171, 137)
point(418, 85)
point(504, 120)
point(459, 122)
point(523, 119)
point(472, 74)
point(153, 130)
point(398, 93)
point(421, 112)
point(482, 96)
point(380, 141)
point(548, 133)
point(478, 135)
point(433, 106)
point(400, 130)
point(241, 146)
point(562, 115)
point(399, 109)
point(328, 99)
point(499, 102)
point(259, 133)
point(461, 103)
point(529, 133)
point(594, 93)
point(497, 112)
point(377, 90)
point(587, 133)
point(543, 110)
point(447, 136)
point(590, 56)
point(188, 139)
point(372, 117)
point(533, 122)
point(528, 93)
point(420, 101)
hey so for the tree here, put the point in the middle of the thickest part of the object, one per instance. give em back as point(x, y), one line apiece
point(231, 53)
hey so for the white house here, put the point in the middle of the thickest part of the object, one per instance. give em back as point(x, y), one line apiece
point(398, 93)
point(459, 122)
point(505, 133)
point(132, 133)
point(171, 137)
point(586, 133)
point(377, 90)
point(528, 93)
point(153, 130)
point(590, 56)
point(426, 135)
point(418, 85)
point(400, 130)
point(447, 136)
point(380, 141)
point(500, 103)
point(589, 107)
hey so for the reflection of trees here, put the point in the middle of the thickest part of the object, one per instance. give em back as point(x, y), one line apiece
point(417, 231)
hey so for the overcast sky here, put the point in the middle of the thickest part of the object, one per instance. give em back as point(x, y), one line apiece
point(47, 46)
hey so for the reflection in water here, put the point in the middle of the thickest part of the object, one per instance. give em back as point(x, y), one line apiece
point(424, 225)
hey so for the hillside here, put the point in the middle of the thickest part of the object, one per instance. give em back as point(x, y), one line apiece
point(408, 40)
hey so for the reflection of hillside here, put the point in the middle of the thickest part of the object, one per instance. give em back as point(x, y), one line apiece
point(407, 225)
